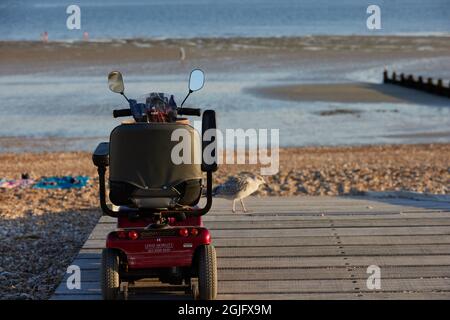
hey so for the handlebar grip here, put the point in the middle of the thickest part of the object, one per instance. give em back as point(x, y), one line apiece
point(122, 113)
point(190, 111)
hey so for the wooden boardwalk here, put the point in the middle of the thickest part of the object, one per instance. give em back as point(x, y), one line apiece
point(309, 248)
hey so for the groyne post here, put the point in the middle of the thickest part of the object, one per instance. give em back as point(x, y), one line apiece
point(418, 83)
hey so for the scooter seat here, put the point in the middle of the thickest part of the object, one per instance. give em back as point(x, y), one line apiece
point(142, 172)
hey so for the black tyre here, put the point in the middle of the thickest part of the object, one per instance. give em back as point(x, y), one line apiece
point(110, 279)
point(207, 272)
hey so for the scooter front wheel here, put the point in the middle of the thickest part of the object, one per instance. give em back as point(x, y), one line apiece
point(207, 272)
point(110, 279)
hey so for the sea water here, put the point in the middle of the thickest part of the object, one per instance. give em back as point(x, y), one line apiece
point(75, 103)
point(27, 19)
point(63, 106)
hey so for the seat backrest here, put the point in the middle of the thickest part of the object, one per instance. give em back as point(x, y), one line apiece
point(140, 154)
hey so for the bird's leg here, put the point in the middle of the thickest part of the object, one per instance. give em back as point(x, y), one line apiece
point(234, 206)
point(243, 206)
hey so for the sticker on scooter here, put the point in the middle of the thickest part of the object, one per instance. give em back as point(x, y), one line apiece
point(158, 247)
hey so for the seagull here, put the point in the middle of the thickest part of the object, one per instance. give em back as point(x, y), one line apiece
point(238, 188)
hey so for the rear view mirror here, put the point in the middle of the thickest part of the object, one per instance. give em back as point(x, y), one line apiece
point(115, 82)
point(196, 80)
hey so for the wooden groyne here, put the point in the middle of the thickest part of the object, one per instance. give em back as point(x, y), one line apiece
point(429, 85)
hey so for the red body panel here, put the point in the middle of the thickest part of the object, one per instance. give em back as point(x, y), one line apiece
point(160, 251)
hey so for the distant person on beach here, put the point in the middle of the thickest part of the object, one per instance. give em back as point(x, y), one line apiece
point(85, 36)
point(182, 54)
point(44, 36)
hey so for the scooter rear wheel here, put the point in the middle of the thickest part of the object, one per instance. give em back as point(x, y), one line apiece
point(207, 272)
point(110, 279)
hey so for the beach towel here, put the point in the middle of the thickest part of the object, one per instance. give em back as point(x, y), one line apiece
point(15, 183)
point(66, 182)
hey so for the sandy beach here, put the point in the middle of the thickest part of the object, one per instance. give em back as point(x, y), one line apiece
point(349, 93)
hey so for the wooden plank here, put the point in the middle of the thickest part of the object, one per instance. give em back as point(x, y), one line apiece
point(316, 250)
point(291, 296)
point(212, 217)
point(93, 288)
point(302, 241)
point(306, 224)
point(393, 240)
point(334, 250)
point(295, 209)
point(382, 261)
point(87, 288)
point(326, 232)
point(324, 222)
point(288, 286)
point(340, 231)
point(269, 233)
point(313, 286)
point(331, 213)
point(320, 216)
point(339, 296)
point(303, 262)
point(94, 244)
point(276, 225)
point(291, 262)
point(320, 273)
point(147, 296)
point(339, 200)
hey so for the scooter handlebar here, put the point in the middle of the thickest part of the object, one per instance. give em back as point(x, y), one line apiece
point(189, 111)
point(122, 113)
point(181, 111)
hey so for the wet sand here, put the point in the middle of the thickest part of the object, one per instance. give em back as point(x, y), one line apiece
point(349, 93)
point(296, 68)
point(33, 56)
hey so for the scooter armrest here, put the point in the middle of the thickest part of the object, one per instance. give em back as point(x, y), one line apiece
point(100, 157)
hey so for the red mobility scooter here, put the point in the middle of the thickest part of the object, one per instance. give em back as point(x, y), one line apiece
point(159, 230)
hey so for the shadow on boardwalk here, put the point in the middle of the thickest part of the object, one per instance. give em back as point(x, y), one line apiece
point(408, 199)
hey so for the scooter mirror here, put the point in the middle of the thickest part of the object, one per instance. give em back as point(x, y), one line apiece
point(196, 80)
point(115, 82)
